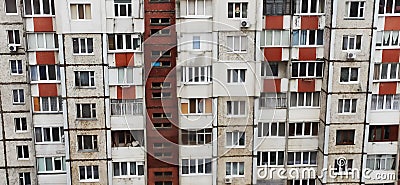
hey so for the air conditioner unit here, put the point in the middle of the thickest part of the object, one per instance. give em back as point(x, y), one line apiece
point(351, 56)
point(12, 47)
point(228, 180)
point(245, 24)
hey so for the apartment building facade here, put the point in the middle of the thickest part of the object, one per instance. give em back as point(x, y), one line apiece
point(193, 92)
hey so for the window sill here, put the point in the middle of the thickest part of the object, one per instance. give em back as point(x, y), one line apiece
point(237, 52)
point(196, 16)
point(40, 15)
point(21, 132)
point(14, 103)
point(196, 83)
point(386, 47)
point(196, 174)
point(308, 46)
point(123, 51)
point(12, 13)
point(302, 165)
point(349, 83)
point(354, 18)
point(274, 137)
point(82, 54)
point(304, 107)
point(81, 20)
point(308, 14)
point(87, 181)
point(23, 159)
point(46, 82)
point(307, 77)
point(236, 116)
point(42, 49)
point(385, 110)
point(197, 114)
point(347, 114)
point(272, 108)
point(235, 147)
point(51, 172)
point(351, 50)
point(17, 74)
point(123, 17)
point(303, 137)
point(235, 176)
point(47, 112)
point(85, 87)
point(344, 144)
point(86, 119)
point(50, 143)
point(386, 80)
point(389, 14)
point(87, 151)
point(127, 176)
point(275, 46)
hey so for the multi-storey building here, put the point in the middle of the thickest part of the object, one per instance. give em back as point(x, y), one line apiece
point(164, 92)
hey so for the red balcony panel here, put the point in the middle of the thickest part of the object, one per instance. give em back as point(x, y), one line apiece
point(45, 57)
point(392, 23)
point(306, 85)
point(390, 55)
point(272, 85)
point(273, 22)
point(307, 53)
point(273, 54)
point(388, 88)
point(48, 90)
point(43, 24)
point(309, 22)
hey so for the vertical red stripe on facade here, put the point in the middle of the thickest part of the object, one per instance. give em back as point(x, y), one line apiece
point(124, 59)
point(306, 85)
point(272, 85)
point(273, 22)
point(126, 92)
point(390, 55)
point(392, 23)
point(43, 24)
point(45, 57)
point(48, 90)
point(273, 54)
point(307, 53)
point(309, 22)
point(387, 87)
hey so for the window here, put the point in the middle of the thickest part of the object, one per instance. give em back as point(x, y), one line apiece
point(200, 74)
point(386, 71)
point(126, 107)
point(355, 9)
point(84, 78)
point(87, 142)
point(344, 167)
point(237, 43)
point(160, 32)
point(42, 41)
point(160, 85)
point(389, 6)
point(237, 10)
point(123, 42)
point(22, 152)
point(302, 182)
point(86, 110)
point(16, 67)
point(271, 129)
point(236, 75)
point(195, 7)
point(303, 129)
point(81, 11)
point(309, 6)
point(13, 37)
point(162, 174)
point(82, 45)
point(276, 7)
point(235, 139)
point(236, 108)
point(272, 158)
point(127, 169)
point(196, 166)
point(122, 8)
point(47, 104)
point(49, 134)
point(162, 125)
point(383, 133)
point(50, 164)
point(11, 6)
point(88, 173)
point(160, 21)
point(345, 137)
point(304, 99)
point(159, 54)
point(269, 69)
point(387, 38)
point(161, 64)
point(20, 124)
point(125, 75)
point(18, 96)
point(381, 162)
point(196, 137)
point(385, 102)
point(308, 37)
point(234, 168)
point(158, 1)
point(162, 115)
point(307, 69)
point(347, 106)
point(349, 74)
point(351, 42)
point(162, 145)
point(128, 138)
point(163, 155)
point(39, 7)
point(24, 178)
point(162, 182)
point(196, 42)
point(160, 95)
point(45, 72)
point(275, 37)
point(302, 158)
point(273, 100)
point(196, 106)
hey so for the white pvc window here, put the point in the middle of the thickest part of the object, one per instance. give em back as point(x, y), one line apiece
point(237, 44)
point(234, 168)
point(351, 42)
point(39, 7)
point(42, 41)
point(88, 173)
point(355, 9)
point(81, 11)
point(236, 108)
point(347, 106)
point(195, 7)
point(50, 164)
point(385, 102)
point(349, 74)
point(235, 139)
point(82, 45)
point(304, 99)
point(196, 74)
point(275, 38)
